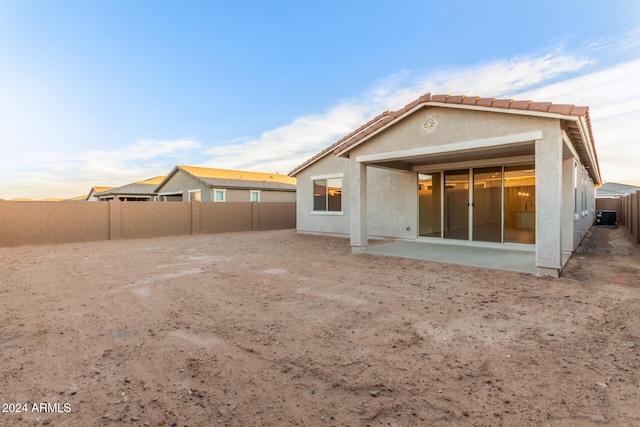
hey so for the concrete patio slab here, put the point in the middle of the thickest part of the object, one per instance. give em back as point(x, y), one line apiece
point(523, 261)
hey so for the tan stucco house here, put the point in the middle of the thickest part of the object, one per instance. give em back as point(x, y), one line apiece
point(472, 171)
point(187, 183)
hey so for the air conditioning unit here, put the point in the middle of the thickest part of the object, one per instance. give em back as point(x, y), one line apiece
point(606, 218)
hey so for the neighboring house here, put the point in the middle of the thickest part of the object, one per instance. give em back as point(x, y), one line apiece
point(95, 190)
point(140, 191)
point(186, 183)
point(468, 170)
point(613, 190)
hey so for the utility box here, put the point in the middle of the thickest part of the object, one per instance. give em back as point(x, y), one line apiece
point(606, 218)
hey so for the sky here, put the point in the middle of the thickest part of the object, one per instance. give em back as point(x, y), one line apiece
point(109, 92)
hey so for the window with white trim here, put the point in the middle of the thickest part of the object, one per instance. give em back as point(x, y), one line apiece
point(219, 195)
point(195, 195)
point(327, 195)
point(254, 196)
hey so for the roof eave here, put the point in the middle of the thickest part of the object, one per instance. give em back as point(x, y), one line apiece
point(587, 138)
point(345, 148)
point(344, 140)
point(567, 112)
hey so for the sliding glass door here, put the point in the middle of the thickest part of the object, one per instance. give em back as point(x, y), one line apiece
point(489, 204)
point(456, 204)
point(430, 204)
point(519, 204)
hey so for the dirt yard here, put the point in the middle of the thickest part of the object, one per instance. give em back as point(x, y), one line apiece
point(280, 329)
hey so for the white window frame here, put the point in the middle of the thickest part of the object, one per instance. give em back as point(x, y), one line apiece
point(191, 195)
point(251, 193)
point(224, 195)
point(328, 176)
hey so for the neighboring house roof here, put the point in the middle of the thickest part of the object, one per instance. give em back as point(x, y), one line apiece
point(577, 118)
point(77, 198)
point(225, 178)
point(95, 190)
point(100, 189)
point(614, 189)
point(139, 188)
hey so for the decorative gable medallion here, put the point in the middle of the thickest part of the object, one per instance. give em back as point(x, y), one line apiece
point(430, 124)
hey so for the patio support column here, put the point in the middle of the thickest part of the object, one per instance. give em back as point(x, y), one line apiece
point(548, 159)
point(358, 205)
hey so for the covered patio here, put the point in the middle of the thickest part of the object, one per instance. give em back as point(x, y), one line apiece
point(538, 151)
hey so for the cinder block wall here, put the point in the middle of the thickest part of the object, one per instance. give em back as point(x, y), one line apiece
point(228, 216)
point(149, 219)
point(629, 209)
point(274, 216)
point(635, 215)
point(627, 212)
point(32, 223)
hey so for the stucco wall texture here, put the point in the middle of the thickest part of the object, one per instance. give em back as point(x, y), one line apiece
point(34, 223)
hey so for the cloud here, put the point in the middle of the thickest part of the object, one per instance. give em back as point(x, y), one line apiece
point(611, 92)
point(611, 95)
point(54, 173)
point(283, 148)
point(624, 46)
point(587, 77)
point(279, 149)
point(143, 154)
point(501, 78)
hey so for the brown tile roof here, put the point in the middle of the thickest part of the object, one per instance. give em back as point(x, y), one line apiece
point(332, 147)
point(344, 144)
